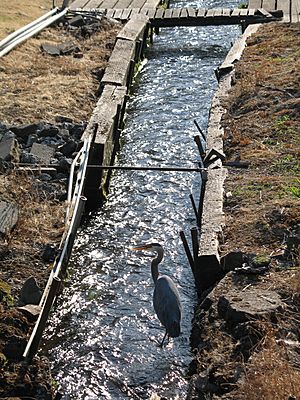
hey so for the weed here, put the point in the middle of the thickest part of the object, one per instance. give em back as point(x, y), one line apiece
point(295, 189)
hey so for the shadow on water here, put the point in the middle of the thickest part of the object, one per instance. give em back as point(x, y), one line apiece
point(103, 336)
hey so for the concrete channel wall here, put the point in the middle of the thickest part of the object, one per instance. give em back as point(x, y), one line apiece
point(207, 267)
point(107, 117)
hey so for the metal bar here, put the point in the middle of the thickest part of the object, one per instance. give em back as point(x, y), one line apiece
point(195, 242)
point(187, 251)
point(140, 168)
point(200, 130)
point(194, 207)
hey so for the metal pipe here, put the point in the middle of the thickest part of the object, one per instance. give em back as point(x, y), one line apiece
point(31, 32)
point(28, 26)
point(36, 335)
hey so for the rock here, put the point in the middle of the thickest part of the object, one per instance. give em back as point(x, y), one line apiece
point(64, 164)
point(76, 21)
point(28, 158)
point(62, 118)
point(232, 260)
point(25, 130)
point(48, 130)
point(45, 177)
point(49, 253)
point(68, 48)
point(9, 215)
point(238, 307)
point(43, 152)
point(68, 148)
point(3, 128)
point(30, 292)
point(64, 134)
point(9, 149)
point(50, 49)
point(77, 130)
point(14, 347)
point(31, 139)
point(31, 311)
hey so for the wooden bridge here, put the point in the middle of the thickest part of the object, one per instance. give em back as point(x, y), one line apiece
point(258, 11)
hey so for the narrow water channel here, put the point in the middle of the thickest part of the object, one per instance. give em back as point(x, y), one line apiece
point(103, 336)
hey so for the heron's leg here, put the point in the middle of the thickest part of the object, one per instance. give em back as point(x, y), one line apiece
point(162, 343)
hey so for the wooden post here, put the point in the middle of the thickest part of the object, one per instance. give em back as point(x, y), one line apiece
point(195, 243)
point(202, 192)
point(200, 130)
point(187, 251)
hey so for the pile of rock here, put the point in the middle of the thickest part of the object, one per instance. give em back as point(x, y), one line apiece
point(48, 148)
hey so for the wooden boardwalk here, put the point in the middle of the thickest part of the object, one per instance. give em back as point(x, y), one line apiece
point(290, 8)
point(124, 10)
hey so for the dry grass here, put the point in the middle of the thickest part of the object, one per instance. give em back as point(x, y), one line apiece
point(17, 13)
point(41, 222)
point(36, 86)
point(270, 375)
point(262, 126)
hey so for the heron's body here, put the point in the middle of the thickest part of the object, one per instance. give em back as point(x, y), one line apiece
point(167, 305)
point(166, 299)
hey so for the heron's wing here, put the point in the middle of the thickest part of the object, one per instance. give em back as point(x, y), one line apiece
point(167, 304)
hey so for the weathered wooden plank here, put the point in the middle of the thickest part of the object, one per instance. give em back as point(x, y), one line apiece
point(118, 13)
point(134, 29)
point(103, 118)
point(134, 11)
point(150, 14)
point(201, 12)
point(207, 267)
point(78, 4)
point(109, 4)
point(226, 12)
point(122, 4)
point(110, 12)
point(183, 13)
point(295, 11)
point(265, 13)
point(137, 4)
point(251, 11)
point(235, 12)
point(151, 4)
point(168, 13)
point(268, 5)
point(159, 13)
point(9, 215)
point(118, 67)
point(285, 6)
point(254, 3)
point(126, 13)
point(176, 12)
point(210, 12)
point(235, 52)
point(191, 12)
point(218, 12)
point(244, 12)
point(92, 4)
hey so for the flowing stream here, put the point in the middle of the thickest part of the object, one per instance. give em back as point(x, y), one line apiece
point(103, 337)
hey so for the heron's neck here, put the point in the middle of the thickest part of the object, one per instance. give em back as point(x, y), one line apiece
point(154, 264)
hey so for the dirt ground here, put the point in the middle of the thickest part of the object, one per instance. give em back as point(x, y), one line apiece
point(258, 359)
point(37, 87)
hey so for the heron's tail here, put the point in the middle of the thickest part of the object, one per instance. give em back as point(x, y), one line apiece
point(174, 329)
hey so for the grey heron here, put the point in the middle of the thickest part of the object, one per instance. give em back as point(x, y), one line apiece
point(166, 299)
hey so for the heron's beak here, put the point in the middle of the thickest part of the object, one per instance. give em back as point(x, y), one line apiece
point(143, 247)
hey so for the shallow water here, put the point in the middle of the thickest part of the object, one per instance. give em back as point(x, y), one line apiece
point(103, 335)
